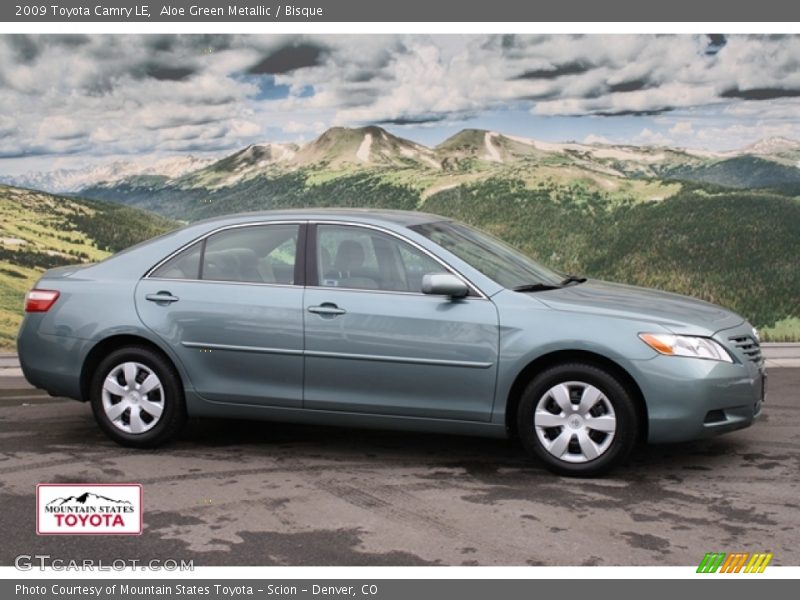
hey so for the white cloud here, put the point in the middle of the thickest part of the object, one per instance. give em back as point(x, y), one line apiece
point(597, 139)
point(7, 125)
point(741, 134)
point(117, 95)
point(304, 127)
point(682, 128)
point(647, 137)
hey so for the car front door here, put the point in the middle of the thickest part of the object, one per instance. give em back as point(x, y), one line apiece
point(374, 343)
point(231, 308)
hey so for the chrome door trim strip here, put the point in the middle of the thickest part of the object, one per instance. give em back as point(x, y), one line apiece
point(225, 281)
point(342, 355)
point(256, 349)
point(400, 359)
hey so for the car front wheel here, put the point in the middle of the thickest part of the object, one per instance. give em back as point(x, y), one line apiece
point(578, 419)
point(137, 397)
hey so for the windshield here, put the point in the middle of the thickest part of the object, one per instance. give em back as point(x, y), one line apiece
point(495, 259)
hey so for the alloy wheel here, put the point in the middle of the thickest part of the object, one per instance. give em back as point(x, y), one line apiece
point(575, 422)
point(133, 397)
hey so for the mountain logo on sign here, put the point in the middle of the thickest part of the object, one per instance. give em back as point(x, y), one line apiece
point(86, 499)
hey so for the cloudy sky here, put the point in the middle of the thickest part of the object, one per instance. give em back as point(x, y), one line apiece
point(68, 101)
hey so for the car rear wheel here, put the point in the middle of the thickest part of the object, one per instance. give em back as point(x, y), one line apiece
point(137, 397)
point(578, 419)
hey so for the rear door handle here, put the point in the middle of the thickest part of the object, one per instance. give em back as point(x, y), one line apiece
point(162, 297)
point(327, 308)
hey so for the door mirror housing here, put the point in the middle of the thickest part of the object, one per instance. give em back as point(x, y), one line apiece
point(444, 284)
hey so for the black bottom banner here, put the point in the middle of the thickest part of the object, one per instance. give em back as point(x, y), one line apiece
point(391, 589)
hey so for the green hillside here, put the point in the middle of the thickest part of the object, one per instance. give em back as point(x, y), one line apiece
point(741, 172)
point(39, 231)
point(365, 188)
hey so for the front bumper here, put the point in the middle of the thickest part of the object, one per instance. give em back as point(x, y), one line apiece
point(689, 398)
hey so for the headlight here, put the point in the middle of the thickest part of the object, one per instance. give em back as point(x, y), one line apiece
point(686, 345)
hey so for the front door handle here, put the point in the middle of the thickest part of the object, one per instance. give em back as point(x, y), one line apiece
point(162, 297)
point(327, 309)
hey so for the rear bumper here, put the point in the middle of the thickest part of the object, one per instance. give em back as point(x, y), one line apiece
point(690, 399)
point(51, 362)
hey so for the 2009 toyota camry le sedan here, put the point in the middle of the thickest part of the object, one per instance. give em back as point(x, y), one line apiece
point(385, 319)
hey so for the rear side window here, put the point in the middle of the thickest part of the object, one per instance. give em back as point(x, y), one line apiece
point(255, 254)
point(185, 265)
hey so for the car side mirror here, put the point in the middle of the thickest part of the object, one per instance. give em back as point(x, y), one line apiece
point(444, 284)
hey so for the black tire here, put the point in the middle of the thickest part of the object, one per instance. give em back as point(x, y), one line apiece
point(621, 400)
point(173, 417)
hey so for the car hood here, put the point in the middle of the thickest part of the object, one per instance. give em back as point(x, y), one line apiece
point(680, 314)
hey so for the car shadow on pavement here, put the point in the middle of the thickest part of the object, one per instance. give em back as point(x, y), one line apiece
point(472, 453)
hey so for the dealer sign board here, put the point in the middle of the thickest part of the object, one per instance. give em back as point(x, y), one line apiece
point(89, 509)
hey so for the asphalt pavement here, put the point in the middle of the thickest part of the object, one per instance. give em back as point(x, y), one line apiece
point(246, 493)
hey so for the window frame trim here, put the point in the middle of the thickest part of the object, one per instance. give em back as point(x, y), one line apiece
point(307, 252)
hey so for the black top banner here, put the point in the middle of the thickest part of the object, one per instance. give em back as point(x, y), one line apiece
point(406, 11)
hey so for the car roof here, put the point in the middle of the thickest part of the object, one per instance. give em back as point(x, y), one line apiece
point(404, 218)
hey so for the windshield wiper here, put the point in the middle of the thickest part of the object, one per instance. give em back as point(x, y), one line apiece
point(541, 287)
point(573, 279)
point(535, 287)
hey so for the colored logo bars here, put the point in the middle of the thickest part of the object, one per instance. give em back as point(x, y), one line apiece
point(736, 562)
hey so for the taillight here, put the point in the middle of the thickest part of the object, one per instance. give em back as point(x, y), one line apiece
point(40, 300)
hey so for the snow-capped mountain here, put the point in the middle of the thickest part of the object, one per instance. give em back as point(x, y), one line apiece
point(68, 181)
point(241, 165)
point(771, 161)
point(771, 146)
point(364, 146)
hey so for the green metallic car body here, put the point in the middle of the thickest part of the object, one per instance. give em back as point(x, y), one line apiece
point(323, 337)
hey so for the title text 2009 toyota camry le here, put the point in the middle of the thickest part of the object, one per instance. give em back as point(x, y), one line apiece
point(385, 319)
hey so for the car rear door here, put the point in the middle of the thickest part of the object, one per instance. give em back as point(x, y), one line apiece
point(231, 308)
point(375, 344)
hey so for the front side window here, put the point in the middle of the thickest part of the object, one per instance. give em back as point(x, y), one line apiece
point(495, 259)
point(364, 259)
